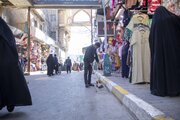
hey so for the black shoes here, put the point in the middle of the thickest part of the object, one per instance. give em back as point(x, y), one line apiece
point(91, 84)
point(87, 85)
point(10, 108)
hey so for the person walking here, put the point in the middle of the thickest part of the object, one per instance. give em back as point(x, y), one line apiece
point(13, 88)
point(56, 67)
point(89, 57)
point(50, 65)
point(68, 64)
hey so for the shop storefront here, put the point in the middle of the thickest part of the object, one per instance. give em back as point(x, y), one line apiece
point(129, 48)
point(40, 47)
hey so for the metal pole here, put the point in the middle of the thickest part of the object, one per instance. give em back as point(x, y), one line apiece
point(91, 29)
point(107, 65)
point(1, 10)
point(29, 43)
point(105, 27)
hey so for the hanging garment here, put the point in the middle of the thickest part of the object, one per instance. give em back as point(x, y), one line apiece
point(124, 54)
point(130, 3)
point(138, 18)
point(143, 3)
point(120, 51)
point(114, 42)
point(127, 17)
point(165, 57)
point(13, 88)
point(117, 61)
point(127, 34)
point(141, 55)
point(153, 5)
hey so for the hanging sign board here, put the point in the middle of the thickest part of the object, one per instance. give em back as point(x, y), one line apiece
point(72, 3)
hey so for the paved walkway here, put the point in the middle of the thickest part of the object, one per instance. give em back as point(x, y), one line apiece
point(168, 105)
point(64, 97)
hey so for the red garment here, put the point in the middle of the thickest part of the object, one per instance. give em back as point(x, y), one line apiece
point(113, 42)
point(113, 3)
point(118, 38)
point(144, 3)
point(152, 5)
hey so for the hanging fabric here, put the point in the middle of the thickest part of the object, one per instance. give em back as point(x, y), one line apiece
point(153, 5)
point(165, 57)
point(138, 18)
point(127, 17)
point(124, 54)
point(130, 3)
point(140, 54)
point(143, 3)
point(127, 34)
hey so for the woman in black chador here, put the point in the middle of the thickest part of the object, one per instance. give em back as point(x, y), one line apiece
point(165, 53)
point(50, 65)
point(13, 87)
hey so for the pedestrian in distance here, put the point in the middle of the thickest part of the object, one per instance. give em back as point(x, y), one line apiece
point(50, 65)
point(13, 88)
point(56, 67)
point(68, 64)
point(89, 57)
point(60, 65)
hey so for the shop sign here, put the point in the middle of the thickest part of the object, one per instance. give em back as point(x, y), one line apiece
point(110, 29)
point(67, 2)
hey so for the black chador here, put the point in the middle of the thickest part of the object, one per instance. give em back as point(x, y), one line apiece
point(50, 65)
point(13, 88)
point(165, 53)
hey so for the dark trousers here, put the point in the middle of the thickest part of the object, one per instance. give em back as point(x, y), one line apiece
point(125, 67)
point(50, 70)
point(87, 73)
point(68, 69)
point(56, 69)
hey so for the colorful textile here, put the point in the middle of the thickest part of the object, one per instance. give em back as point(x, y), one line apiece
point(138, 18)
point(130, 3)
point(127, 34)
point(124, 54)
point(141, 55)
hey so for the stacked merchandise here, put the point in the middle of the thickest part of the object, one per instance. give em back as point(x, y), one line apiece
point(35, 56)
point(45, 53)
point(113, 51)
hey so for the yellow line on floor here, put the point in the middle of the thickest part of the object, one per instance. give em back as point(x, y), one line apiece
point(121, 90)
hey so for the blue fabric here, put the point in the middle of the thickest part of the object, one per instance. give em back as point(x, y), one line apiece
point(125, 67)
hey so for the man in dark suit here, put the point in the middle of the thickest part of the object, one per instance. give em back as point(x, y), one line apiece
point(68, 65)
point(89, 57)
point(56, 64)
